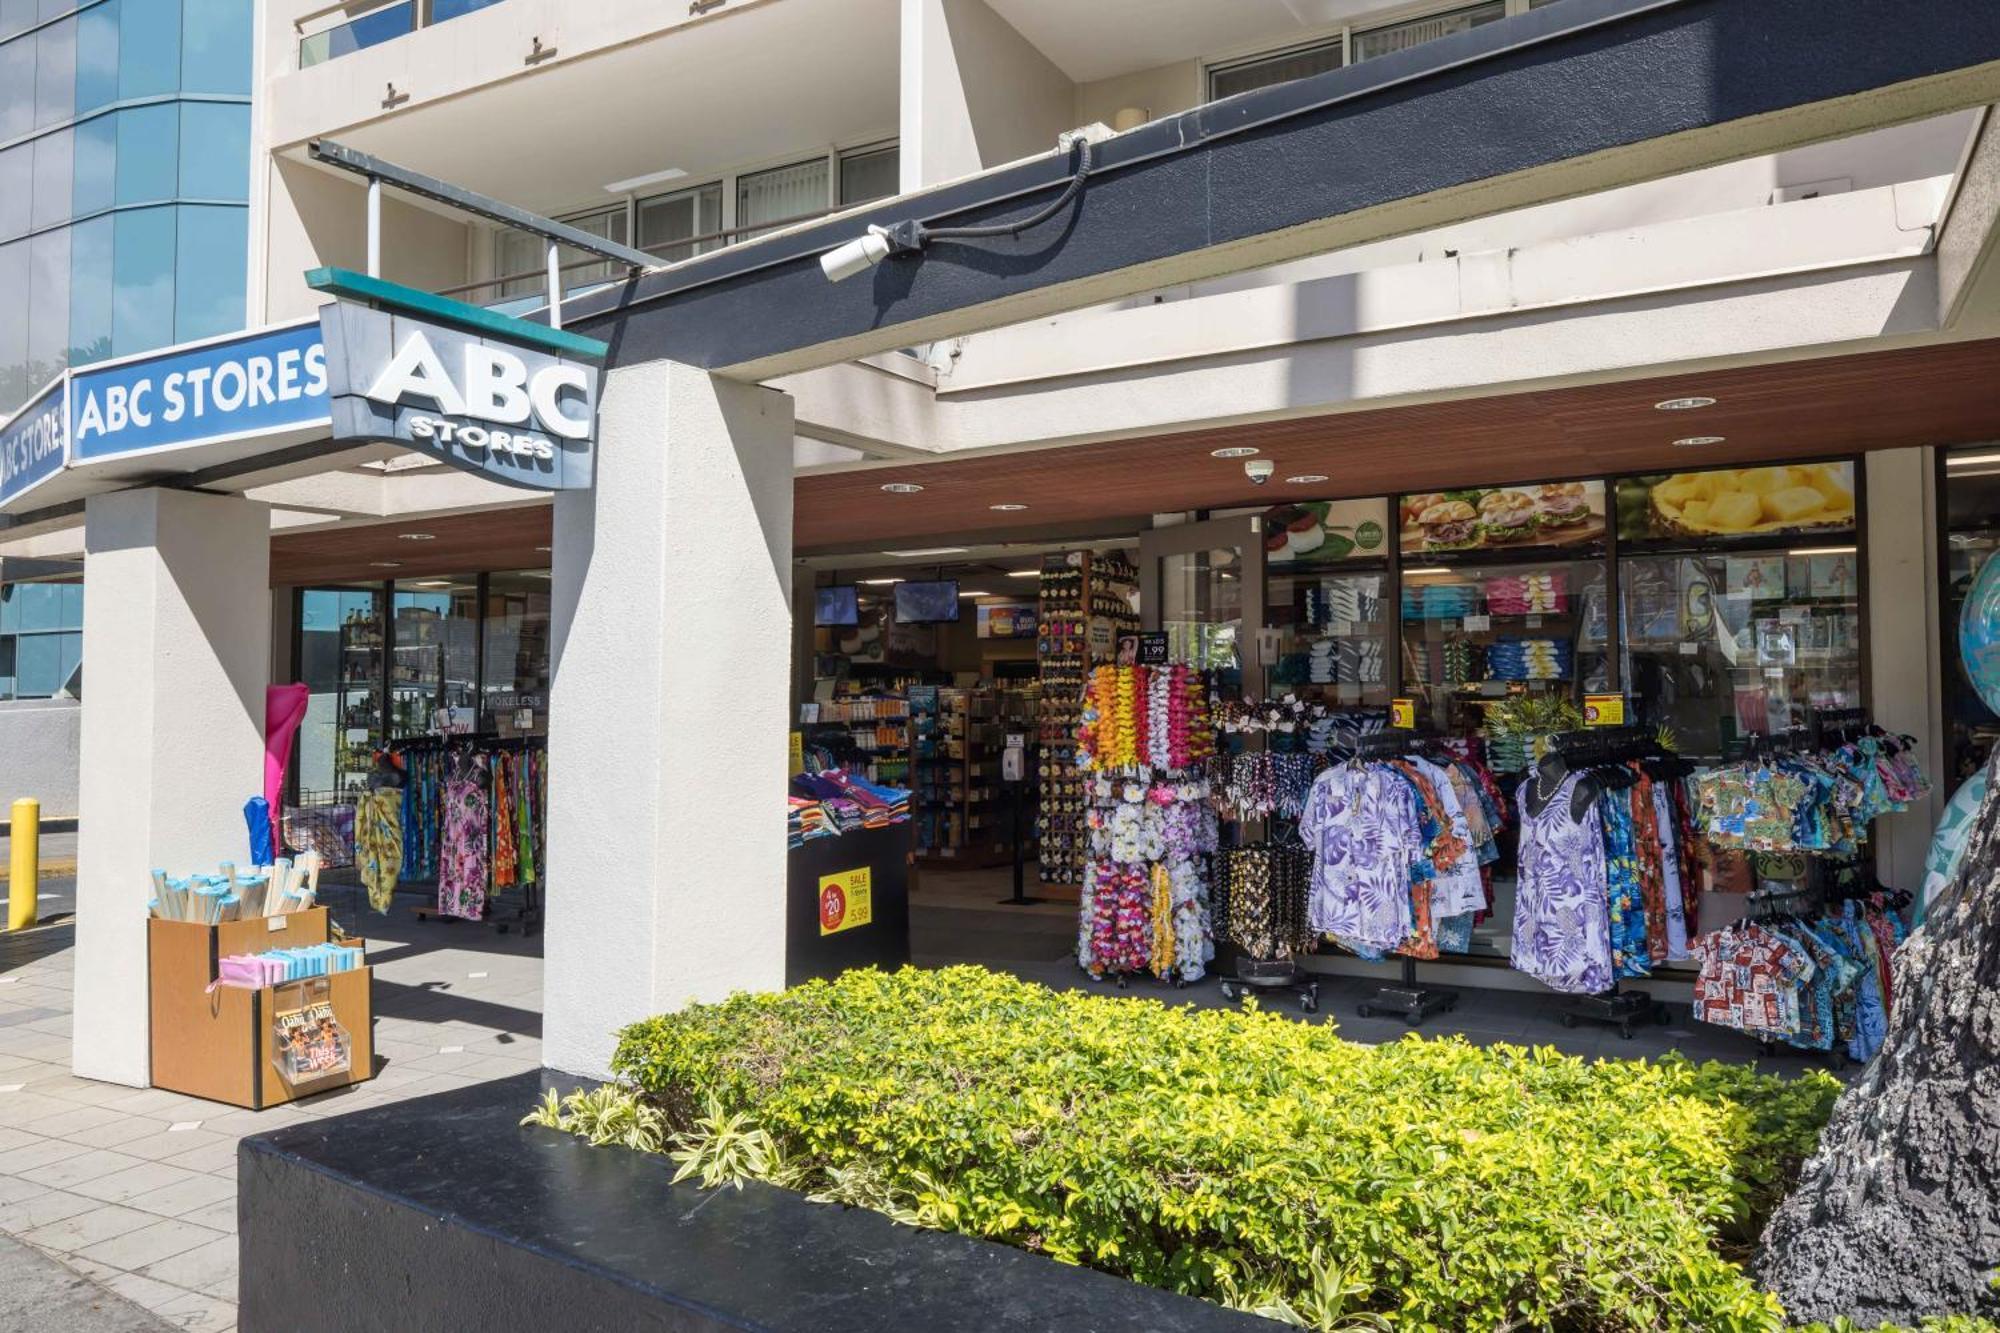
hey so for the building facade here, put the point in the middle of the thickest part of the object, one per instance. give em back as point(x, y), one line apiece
point(1524, 339)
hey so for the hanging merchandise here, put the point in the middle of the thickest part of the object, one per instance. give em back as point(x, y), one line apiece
point(1818, 981)
point(1818, 800)
point(1144, 740)
point(474, 816)
point(464, 857)
point(1399, 837)
point(1606, 878)
point(1086, 604)
point(1261, 894)
point(378, 843)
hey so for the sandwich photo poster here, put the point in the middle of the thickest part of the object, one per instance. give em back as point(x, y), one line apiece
point(1326, 532)
point(1497, 518)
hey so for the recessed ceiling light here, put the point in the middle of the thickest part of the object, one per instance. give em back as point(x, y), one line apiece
point(1687, 404)
point(880, 582)
point(901, 487)
point(929, 550)
point(1306, 479)
point(385, 564)
point(632, 183)
point(1024, 573)
point(1006, 509)
point(416, 536)
point(1232, 451)
point(1690, 441)
point(544, 549)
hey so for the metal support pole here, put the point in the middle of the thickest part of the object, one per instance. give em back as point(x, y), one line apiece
point(24, 842)
point(374, 227)
point(555, 285)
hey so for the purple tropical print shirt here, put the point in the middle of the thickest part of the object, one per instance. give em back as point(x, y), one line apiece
point(1562, 907)
point(1361, 823)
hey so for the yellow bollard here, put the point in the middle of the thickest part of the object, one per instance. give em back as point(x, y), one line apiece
point(25, 864)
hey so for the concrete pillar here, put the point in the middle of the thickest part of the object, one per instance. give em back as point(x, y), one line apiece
point(975, 93)
point(177, 635)
point(668, 712)
point(1905, 674)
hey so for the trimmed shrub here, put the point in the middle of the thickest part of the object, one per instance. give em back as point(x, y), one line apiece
point(1251, 1159)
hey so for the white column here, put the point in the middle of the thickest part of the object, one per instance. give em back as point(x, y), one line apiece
point(974, 93)
point(1906, 645)
point(177, 635)
point(668, 710)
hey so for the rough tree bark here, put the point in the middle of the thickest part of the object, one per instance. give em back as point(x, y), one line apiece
point(1897, 1215)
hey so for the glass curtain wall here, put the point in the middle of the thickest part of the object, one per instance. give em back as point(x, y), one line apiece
point(1971, 491)
point(41, 640)
point(124, 189)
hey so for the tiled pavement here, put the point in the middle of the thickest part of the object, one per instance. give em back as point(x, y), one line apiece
point(136, 1188)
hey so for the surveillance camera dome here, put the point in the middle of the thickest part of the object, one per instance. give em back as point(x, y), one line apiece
point(1259, 470)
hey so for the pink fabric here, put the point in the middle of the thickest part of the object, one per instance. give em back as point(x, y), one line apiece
point(284, 710)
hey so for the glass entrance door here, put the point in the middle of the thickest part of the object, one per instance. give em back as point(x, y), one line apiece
point(1203, 584)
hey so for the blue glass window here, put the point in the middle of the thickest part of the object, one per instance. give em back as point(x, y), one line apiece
point(90, 294)
point(97, 56)
point(451, 9)
point(17, 76)
point(17, 174)
point(142, 273)
point(16, 16)
point(209, 271)
point(55, 157)
point(215, 46)
point(95, 187)
point(41, 606)
point(37, 665)
point(149, 48)
point(72, 605)
point(371, 29)
point(10, 607)
point(215, 151)
point(148, 153)
point(55, 73)
point(14, 386)
point(48, 304)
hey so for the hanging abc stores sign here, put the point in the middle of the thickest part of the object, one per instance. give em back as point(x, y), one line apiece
point(488, 404)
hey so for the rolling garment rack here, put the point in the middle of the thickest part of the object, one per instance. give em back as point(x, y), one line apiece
point(1602, 754)
point(526, 914)
point(1409, 999)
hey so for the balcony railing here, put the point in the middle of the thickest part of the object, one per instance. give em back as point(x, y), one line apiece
point(343, 29)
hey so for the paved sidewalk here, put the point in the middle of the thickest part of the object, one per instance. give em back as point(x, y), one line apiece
point(39, 1292)
point(135, 1189)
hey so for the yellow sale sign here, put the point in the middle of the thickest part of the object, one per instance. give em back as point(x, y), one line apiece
point(1402, 712)
point(1604, 710)
point(846, 900)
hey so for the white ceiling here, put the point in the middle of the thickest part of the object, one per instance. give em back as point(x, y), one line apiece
point(772, 82)
point(1099, 39)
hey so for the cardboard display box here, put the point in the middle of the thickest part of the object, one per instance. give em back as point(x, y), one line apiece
point(218, 1044)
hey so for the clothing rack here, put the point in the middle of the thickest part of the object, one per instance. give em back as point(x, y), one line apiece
point(1622, 1008)
point(526, 914)
point(1409, 998)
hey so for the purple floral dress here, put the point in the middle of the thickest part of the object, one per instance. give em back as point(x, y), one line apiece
point(1361, 824)
point(1562, 905)
point(462, 864)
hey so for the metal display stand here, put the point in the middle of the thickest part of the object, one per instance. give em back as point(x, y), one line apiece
point(1409, 1000)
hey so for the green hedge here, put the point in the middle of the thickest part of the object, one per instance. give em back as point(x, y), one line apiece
point(1249, 1158)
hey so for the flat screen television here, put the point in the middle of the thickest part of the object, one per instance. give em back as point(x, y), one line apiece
point(836, 605)
point(927, 603)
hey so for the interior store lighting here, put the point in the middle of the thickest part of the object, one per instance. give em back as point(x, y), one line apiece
point(969, 592)
point(1692, 441)
point(1233, 451)
point(1430, 569)
point(1687, 404)
point(902, 487)
point(1821, 550)
point(1306, 479)
point(930, 550)
point(880, 583)
point(1006, 508)
point(1971, 460)
point(1024, 573)
point(385, 564)
point(416, 536)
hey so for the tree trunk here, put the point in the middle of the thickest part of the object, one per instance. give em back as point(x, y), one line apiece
point(1897, 1215)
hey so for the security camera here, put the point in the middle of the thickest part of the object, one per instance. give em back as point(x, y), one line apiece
point(1259, 470)
point(857, 256)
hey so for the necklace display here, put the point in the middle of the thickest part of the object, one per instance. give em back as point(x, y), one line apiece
point(1142, 747)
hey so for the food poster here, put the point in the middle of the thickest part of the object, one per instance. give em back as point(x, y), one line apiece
point(1737, 502)
point(1499, 518)
point(1326, 532)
